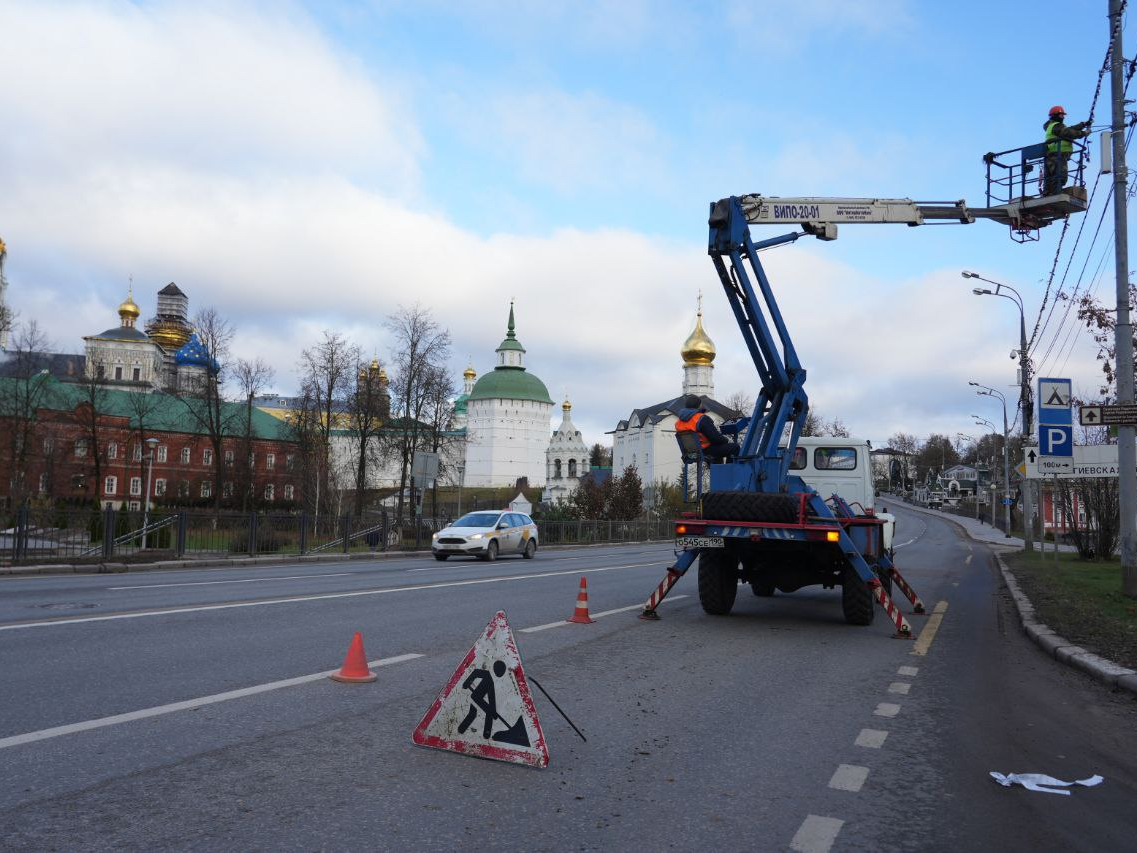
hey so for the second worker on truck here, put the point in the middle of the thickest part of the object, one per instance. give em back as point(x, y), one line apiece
point(693, 418)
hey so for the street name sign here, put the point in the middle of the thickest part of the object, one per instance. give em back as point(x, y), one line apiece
point(1094, 460)
point(486, 709)
point(1115, 415)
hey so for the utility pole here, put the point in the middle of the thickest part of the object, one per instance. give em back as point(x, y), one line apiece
point(1029, 502)
point(1123, 333)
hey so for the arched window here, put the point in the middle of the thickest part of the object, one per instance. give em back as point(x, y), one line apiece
point(572, 467)
point(557, 469)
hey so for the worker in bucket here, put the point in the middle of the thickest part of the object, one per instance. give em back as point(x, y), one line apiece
point(693, 418)
point(1059, 148)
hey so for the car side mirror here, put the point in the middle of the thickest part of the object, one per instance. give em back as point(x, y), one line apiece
point(502, 526)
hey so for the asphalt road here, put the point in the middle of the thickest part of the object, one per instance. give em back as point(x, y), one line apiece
point(775, 727)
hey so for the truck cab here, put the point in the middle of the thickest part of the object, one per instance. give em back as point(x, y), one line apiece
point(842, 466)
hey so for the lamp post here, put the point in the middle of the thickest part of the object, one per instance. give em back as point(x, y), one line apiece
point(991, 392)
point(1024, 392)
point(991, 460)
point(461, 480)
point(150, 444)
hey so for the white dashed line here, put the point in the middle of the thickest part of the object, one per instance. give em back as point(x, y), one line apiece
point(908, 670)
point(599, 615)
point(44, 734)
point(901, 687)
point(871, 738)
point(849, 777)
point(967, 562)
point(816, 834)
point(320, 597)
point(246, 580)
point(887, 709)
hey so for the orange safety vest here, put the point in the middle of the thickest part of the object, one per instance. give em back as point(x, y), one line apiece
point(691, 424)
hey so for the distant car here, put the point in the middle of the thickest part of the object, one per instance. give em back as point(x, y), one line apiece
point(486, 535)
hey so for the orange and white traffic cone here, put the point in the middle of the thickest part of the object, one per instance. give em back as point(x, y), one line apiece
point(581, 613)
point(354, 669)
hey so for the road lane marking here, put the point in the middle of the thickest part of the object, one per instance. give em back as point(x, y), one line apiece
point(816, 834)
point(901, 687)
point(547, 558)
point(871, 738)
point(849, 777)
point(322, 597)
point(967, 562)
point(600, 615)
point(57, 731)
point(908, 670)
point(246, 580)
point(887, 709)
point(924, 641)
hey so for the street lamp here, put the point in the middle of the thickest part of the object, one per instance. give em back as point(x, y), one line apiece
point(150, 444)
point(991, 392)
point(1024, 390)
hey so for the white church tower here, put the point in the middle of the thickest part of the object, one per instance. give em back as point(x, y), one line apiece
point(698, 360)
point(5, 317)
point(507, 420)
point(566, 459)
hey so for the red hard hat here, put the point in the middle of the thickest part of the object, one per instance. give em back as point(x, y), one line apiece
point(1057, 111)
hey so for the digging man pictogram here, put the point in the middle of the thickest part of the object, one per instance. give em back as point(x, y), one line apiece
point(483, 698)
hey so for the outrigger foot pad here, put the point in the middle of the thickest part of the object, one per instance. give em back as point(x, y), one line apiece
point(649, 615)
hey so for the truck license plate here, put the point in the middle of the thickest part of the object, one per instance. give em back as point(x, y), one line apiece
point(699, 542)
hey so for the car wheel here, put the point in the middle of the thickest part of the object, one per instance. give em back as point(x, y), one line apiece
point(530, 549)
point(441, 557)
point(491, 551)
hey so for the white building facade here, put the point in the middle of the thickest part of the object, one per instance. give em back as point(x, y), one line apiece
point(645, 439)
point(566, 460)
point(508, 414)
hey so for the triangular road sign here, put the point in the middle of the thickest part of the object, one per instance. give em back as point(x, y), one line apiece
point(486, 709)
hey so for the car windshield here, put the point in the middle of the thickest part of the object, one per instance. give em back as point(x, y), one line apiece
point(477, 519)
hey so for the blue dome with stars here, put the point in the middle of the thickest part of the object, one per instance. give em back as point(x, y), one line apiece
point(194, 354)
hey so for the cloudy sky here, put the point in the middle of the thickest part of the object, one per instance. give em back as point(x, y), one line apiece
point(303, 167)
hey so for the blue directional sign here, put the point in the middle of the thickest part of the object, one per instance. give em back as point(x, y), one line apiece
point(1054, 402)
point(1055, 440)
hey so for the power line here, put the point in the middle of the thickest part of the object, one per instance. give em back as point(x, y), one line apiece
point(1066, 224)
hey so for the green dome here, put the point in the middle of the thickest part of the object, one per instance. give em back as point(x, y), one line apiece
point(510, 383)
point(460, 404)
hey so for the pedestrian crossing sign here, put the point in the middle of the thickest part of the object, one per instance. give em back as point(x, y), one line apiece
point(486, 709)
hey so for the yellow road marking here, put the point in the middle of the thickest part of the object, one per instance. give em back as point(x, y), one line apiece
point(924, 641)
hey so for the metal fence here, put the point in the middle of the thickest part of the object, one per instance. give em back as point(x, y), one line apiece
point(30, 535)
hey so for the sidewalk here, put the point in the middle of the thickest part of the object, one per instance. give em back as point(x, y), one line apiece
point(1106, 671)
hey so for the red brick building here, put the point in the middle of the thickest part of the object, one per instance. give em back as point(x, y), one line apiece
point(70, 450)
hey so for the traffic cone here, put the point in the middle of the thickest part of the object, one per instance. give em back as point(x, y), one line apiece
point(581, 613)
point(354, 669)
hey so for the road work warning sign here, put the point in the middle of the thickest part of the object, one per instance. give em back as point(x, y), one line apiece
point(486, 709)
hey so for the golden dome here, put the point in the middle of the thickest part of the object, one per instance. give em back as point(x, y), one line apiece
point(3, 248)
point(469, 372)
point(566, 405)
point(168, 334)
point(698, 348)
point(129, 309)
point(382, 375)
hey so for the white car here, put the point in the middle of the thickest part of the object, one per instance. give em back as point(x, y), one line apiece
point(487, 534)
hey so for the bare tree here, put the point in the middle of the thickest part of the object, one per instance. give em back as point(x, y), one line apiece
point(88, 416)
point(251, 378)
point(438, 412)
point(326, 372)
point(741, 402)
point(368, 408)
point(203, 400)
point(25, 388)
point(420, 345)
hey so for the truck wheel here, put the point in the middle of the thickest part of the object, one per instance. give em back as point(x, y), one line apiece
point(750, 506)
point(718, 581)
point(856, 599)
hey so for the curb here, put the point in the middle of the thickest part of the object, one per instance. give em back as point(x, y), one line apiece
point(1106, 671)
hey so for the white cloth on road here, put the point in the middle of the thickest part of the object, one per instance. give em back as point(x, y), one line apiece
point(1042, 782)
